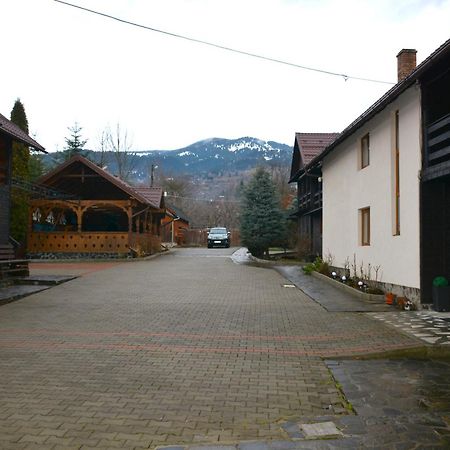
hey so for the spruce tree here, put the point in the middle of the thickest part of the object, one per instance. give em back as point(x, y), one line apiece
point(263, 223)
point(74, 143)
point(21, 171)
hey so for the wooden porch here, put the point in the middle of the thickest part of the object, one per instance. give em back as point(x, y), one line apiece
point(93, 226)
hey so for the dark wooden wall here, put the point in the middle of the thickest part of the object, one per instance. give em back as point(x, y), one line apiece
point(5, 166)
point(435, 241)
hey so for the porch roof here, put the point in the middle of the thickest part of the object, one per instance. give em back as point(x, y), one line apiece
point(176, 213)
point(147, 196)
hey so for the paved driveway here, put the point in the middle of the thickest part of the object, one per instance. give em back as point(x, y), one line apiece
point(185, 348)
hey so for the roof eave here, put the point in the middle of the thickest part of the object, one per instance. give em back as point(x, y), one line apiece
point(382, 102)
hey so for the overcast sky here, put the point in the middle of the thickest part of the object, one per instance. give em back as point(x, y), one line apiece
point(68, 65)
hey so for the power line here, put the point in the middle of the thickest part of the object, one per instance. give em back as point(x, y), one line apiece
point(223, 47)
point(202, 200)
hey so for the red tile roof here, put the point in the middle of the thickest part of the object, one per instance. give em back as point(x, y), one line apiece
point(153, 194)
point(12, 130)
point(313, 144)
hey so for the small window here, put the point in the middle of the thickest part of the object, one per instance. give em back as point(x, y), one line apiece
point(365, 151)
point(365, 226)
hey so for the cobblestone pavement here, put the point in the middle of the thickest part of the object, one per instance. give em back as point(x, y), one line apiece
point(401, 404)
point(431, 327)
point(187, 348)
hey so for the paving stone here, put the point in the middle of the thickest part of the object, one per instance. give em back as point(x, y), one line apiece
point(320, 430)
point(260, 445)
point(283, 445)
point(172, 447)
point(212, 447)
point(167, 352)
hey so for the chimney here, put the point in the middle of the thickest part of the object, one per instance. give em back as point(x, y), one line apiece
point(406, 62)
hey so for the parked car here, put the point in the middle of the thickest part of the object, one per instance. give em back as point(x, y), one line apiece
point(218, 237)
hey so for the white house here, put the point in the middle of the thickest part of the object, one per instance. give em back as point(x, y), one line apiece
point(386, 181)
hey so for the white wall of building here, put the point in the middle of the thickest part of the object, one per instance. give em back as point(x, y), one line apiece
point(347, 189)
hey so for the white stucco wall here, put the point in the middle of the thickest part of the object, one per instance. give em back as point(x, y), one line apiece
point(346, 189)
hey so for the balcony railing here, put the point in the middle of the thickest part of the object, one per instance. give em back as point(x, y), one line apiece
point(310, 201)
point(437, 156)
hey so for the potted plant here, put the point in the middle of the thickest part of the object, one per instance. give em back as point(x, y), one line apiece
point(389, 298)
point(441, 294)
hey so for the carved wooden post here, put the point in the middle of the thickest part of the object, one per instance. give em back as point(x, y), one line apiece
point(138, 224)
point(79, 212)
point(130, 222)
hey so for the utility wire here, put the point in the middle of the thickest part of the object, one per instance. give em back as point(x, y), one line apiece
point(223, 47)
point(202, 200)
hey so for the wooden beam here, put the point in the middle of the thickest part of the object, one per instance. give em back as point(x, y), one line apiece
point(437, 171)
point(439, 153)
point(80, 175)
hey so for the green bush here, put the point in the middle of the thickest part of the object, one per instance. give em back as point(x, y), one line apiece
point(309, 268)
point(317, 266)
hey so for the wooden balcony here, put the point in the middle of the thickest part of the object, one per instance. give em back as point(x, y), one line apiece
point(437, 149)
point(310, 202)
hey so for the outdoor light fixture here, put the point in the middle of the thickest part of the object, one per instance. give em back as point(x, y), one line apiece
point(343, 278)
point(333, 274)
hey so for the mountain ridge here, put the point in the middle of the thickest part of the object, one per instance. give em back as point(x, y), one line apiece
point(205, 158)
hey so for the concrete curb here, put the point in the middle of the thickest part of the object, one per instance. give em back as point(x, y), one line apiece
point(373, 298)
point(98, 260)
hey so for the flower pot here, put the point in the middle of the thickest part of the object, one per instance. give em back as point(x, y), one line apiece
point(389, 298)
point(401, 302)
point(441, 298)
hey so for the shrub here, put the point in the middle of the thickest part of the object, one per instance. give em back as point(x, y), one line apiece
point(317, 266)
point(309, 268)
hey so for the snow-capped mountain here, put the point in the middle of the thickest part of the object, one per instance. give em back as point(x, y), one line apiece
point(206, 158)
point(217, 156)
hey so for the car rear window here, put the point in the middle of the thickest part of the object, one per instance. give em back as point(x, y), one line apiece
point(218, 231)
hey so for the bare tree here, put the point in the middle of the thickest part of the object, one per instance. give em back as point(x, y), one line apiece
point(120, 145)
point(103, 148)
point(178, 186)
point(280, 177)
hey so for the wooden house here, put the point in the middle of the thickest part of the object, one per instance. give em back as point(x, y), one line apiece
point(94, 214)
point(174, 226)
point(9, 133)
point(309, 189)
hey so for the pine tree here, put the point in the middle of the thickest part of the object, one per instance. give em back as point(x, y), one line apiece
point(263, 224)
point(74, 143)
point(20, 170)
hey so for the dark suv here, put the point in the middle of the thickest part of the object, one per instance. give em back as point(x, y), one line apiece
point(218, 237)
